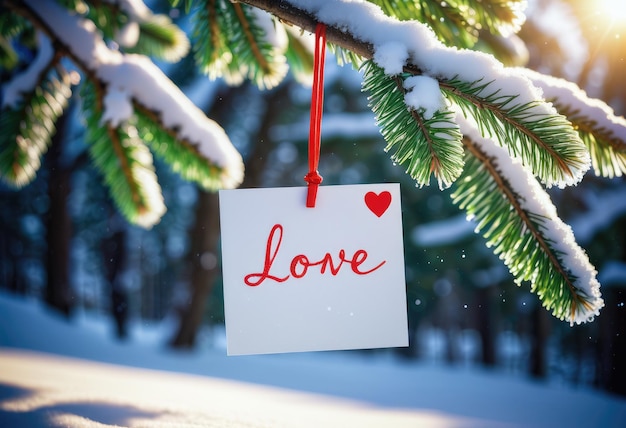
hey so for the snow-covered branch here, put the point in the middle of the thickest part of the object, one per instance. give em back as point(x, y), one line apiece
point(131, 78)
point(602, 130)
point(292, 14)
point(494, 91)
point(559, 271)
point(26, 81)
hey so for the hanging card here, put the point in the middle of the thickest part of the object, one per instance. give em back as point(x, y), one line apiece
point(311, 279)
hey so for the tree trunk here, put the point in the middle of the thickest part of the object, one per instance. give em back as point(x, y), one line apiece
point(486, 320)
point(613, 340)
point(205, 232)
point(59, 294)
point(11, 246)
point(204, 268)
point(539, 336)
point(114, 257)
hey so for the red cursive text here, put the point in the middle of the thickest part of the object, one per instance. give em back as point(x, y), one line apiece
point(300, 264)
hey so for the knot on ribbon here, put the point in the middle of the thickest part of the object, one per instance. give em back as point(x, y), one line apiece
point(313, 178)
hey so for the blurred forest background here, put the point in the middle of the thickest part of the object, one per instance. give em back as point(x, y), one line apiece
point(62, 241)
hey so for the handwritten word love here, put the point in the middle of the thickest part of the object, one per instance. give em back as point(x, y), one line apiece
point(300, 264)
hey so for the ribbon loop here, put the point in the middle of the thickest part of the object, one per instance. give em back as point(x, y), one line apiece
point(313, 178)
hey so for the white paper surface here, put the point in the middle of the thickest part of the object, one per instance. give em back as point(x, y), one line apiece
point(274, 303)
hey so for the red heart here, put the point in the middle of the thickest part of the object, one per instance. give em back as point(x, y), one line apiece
point(378, 204)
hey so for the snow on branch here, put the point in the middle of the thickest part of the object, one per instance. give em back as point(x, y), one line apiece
point(395, 45)
point(136, 78)
point(527, 227)
point(412, 47)
point(590, 116)
point(574, 99)
point(25, 82)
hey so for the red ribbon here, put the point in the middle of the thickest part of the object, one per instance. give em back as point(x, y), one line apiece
point(313, 178)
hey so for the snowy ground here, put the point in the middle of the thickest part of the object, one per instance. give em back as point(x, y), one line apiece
point(74, 375)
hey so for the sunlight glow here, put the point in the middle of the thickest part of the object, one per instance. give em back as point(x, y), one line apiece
point(614, 11)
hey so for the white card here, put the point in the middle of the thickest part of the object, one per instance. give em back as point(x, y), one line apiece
point(311, 279)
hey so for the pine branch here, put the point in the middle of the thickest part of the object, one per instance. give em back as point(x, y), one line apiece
point(600, 129)
point(211, 50)
point(425, 147)
point(502, 17)
point(247, 28)
point(345, 56)
point(300, 57)
point(402, 10)
point(8, 56)
point(235, 45)
point(608, 152)
point(495, 16)
point(33, 101)
point(447, 21)
point(608, 157)
point(153, 35)
point(12, 24)
point(182, 155)
point(107, 16)
point(124, 162)
point(136, 79)
point(188, 4)
point(124, 81)
point(534, 243)
point(470, 24)
point(508, 106)
point(518, 220)
point(160, 38)
point(290, 14)
point(533, 131)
